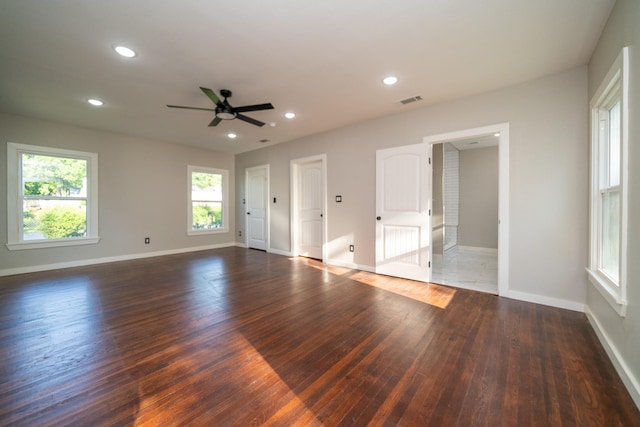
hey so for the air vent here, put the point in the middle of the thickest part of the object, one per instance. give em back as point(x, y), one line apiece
point(412, 99)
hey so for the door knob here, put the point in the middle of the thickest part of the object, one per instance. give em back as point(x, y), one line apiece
point(248, 213)
point(378, 218)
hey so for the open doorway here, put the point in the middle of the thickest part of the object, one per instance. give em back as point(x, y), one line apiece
point(465, 213)
point(470, 229)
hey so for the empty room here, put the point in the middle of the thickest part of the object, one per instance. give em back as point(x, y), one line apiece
point(283, 213)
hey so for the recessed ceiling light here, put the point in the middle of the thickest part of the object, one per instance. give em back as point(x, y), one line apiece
point(390, 80)
point(496, 134)
point(232, 135)
point(289, 115)
point(124, 51)
point(95, 102)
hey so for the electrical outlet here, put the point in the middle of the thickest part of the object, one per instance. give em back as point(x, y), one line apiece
point(351, 248)
point(239, 233)
point(147, 240)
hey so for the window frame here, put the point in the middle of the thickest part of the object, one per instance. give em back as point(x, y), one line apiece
point(613, 88)
point(15, 238)
point(225, 200)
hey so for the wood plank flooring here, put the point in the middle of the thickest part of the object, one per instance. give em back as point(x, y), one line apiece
point(240, 337)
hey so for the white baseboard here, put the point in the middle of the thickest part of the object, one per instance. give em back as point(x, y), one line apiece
point(279, 252)
point(93, 261)
point(550, 301)
point(628, 379)
point(477, 249)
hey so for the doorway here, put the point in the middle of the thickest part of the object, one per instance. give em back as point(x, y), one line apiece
point(308, 195)
point(469, 255)
point(465, 220)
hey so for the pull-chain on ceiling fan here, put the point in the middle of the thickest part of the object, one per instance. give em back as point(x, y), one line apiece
point(224, 110)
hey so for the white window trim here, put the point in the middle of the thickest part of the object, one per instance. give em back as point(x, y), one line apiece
point(618, 75)
point(14, 211)
point(225, 201)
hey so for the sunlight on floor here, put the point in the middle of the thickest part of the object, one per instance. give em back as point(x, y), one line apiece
point(319, 265)
point(156, 404)
point(428, 293)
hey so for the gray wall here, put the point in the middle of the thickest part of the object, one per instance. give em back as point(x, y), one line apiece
point(623, 334)
point(142, 192)
point(478, 223)
point(546, 116)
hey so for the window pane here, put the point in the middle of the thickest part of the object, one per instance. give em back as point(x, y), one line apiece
point(53, 176)
point(207, 215)
point(614, 145)
point(206, 186)
point(610, 248)
point(53, 219)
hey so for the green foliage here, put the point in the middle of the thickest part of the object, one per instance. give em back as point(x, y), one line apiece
point(62, 221)
point(40, 188)
point(206, 216)
point(203, 180)
point(48, 175)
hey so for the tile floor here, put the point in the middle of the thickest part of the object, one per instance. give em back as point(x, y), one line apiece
point(467, 268)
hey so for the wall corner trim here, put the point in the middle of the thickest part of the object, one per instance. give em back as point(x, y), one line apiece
point(628, 379)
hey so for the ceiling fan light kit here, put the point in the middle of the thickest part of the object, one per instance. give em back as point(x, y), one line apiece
point(224, 110)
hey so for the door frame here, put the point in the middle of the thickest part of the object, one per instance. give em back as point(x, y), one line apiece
point(294, 170)
point(267, 205)
point(503, 190)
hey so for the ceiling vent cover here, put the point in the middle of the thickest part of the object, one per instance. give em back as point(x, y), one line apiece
point(410, 100)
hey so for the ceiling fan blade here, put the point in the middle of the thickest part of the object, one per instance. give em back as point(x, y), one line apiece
point(191, 108)
point(256, 107)
point(211, 94)
point(215, 121)
point(249, 120)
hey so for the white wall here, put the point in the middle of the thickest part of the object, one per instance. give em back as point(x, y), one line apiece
point(548, 179)
point(142, 193)
point(478, 224)
point(622, 335)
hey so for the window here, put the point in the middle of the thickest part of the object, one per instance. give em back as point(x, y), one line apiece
point(608, 201)
point(208, 189)
point(52, 197)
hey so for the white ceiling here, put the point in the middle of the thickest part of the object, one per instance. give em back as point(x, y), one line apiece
point(324, 60)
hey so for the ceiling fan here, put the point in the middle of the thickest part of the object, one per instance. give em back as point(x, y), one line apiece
point(224, 110)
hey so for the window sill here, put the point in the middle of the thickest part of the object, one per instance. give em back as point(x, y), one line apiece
point(40, 244)
point(208, 231)
point(610, 295)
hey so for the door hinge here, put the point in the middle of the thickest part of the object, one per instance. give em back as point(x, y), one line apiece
point(429, 212)
point(429, 264)
point(429, 160)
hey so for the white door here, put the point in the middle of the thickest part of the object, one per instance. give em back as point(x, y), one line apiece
point(310, 204)
point(257, 202)
point(402, 212)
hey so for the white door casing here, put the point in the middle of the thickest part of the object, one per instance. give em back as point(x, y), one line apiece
point(402, 212)
point(503, 190)
point(257, 207)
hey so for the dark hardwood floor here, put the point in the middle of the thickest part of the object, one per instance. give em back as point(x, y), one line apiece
point(242, 337)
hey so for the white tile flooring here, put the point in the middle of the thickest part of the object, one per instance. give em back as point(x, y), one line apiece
point(467, 268)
